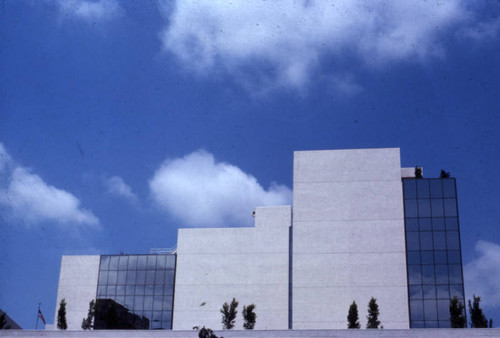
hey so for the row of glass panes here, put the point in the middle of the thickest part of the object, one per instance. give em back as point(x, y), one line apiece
point(434, 257)
point(431, 207)
point(429, 224)
point(136, 277)
point(445, 291)
point(156, 316)
point(104, 291)
point(430, 309)
point(434, 274)
point(137, 262)
point(429, 324)
point(432, 240)
point(429, 188)
point(140, 303)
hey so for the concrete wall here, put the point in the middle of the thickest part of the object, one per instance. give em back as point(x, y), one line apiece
point(348, 237)
point(251, 264)
point(78, 285)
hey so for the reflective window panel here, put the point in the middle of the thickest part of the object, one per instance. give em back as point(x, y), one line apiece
point(136, 291)
point(433, 250)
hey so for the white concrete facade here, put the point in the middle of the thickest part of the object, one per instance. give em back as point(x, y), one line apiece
point(348, 237)
point(249, 264)
point(77, 285)
point(348, 245)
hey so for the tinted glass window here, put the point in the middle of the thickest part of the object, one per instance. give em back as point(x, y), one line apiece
point(448, 188)
point(425, 224)
point(436, 189)
point(437, 208)
point(139, 287)
point(450, 207)
point(413, 257)
point(413, 241)
point(424, 208)
point(422, 188)
point(433, 250)
point(412, 224)
point(439, 240)
point(411, 208)
point(438, 224)
point(410, 188)
point(452, 240)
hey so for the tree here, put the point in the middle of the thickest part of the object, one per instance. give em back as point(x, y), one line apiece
point(444, 174)
point(207, 333)
point(88, 323)
point(373, 313)
point(229, 314)
point(62, 324)
point(352, 317)
point(418, 172)
point(249, 316)
point(457, 315)
point(478, 320)
point(3, 322)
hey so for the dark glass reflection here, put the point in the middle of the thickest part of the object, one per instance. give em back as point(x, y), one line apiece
point(135, 292)
point(433, 250)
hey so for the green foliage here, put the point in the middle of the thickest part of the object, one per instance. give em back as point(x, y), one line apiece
point(352, 317)
point(207, 333)
point(418, 172)
point(444, 174)
point(478, 320)
point(373, 313)
point(457, 315)
point(229, 314)
point(88, 323)
point(249, 316)
point(62, 324)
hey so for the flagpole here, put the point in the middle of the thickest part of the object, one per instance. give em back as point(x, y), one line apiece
point(37, 315)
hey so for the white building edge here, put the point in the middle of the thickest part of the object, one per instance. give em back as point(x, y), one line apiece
point(343, 242)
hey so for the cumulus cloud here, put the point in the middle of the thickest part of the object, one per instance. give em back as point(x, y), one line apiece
point(116, 186)
point(28, 198)
point(99, 10)
point(202, 192)
point(483, 273)
point(280, 43)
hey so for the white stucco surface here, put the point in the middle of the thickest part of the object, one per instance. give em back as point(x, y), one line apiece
point(77, 285)
point(348, 237)
point(249, 264)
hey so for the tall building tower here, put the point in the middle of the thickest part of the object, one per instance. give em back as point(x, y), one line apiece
point(433, 250)
point(348, 237)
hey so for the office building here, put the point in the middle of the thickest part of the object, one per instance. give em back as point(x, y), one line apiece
point(360, 227)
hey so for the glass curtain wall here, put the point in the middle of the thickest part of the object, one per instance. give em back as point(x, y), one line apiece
point(140, 289)
point(433, 250)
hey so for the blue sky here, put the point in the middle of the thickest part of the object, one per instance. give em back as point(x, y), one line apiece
point(122, 121)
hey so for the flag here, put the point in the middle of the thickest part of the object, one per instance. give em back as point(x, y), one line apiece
point(40, 315)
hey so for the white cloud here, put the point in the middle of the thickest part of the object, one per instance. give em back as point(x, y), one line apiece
point(280, 43)
point(28, 198)
point(99, 10)
point(202, 192)
point(482, 274)
point(116, 186)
